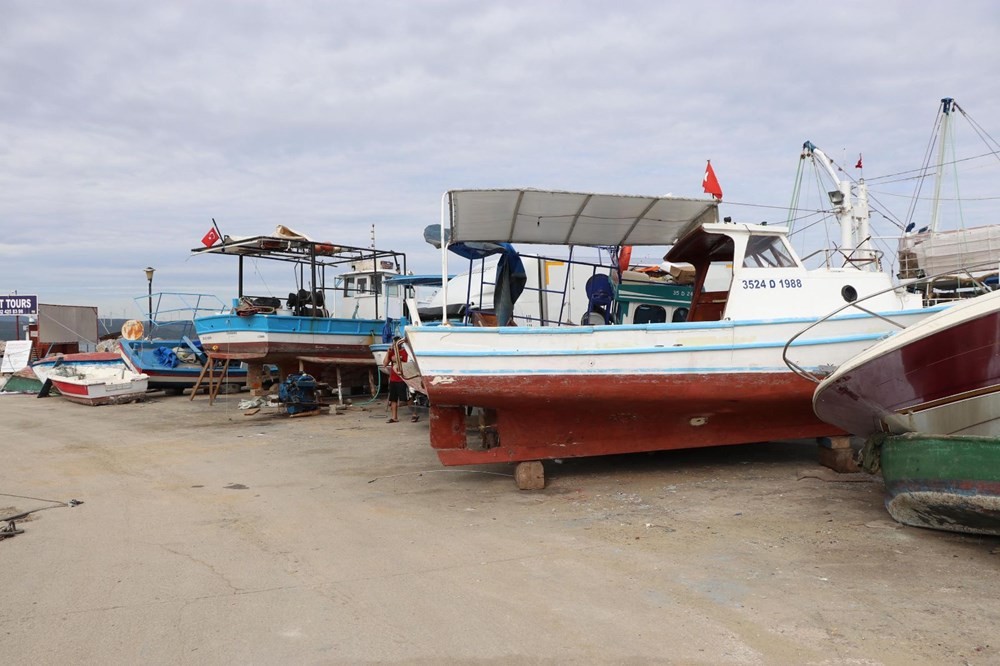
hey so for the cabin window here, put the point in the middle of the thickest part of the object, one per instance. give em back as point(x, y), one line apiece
point(362, 285)
point(767, 252)
point(348, 286)
point(377, 284)
point(649, 314)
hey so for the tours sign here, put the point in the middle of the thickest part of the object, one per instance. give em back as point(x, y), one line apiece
point(18, 305)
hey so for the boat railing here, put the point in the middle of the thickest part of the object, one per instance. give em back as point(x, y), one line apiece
point(911, 286)
point(857, 258)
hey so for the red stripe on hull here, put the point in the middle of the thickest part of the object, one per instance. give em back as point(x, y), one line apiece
point(540, 417)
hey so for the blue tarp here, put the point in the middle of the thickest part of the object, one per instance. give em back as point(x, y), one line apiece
point(510, 277)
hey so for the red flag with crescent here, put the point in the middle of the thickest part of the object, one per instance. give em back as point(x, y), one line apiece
point(710, 183)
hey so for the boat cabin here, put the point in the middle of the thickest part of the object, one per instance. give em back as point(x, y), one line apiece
point(756, 274)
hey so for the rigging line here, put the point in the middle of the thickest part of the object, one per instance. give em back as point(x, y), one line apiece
point(767, 206)
point(928, 152)
point(907, 196)
point(922, 171)
point(979, 130)
point(256, 269)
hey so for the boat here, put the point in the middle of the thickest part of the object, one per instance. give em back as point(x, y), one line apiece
point(167, 349)
point(944, 482)
point(717, 377)
point(938, 376)
point(325, 327)
point(101, 384)
point(963, 260)
point(80, 363)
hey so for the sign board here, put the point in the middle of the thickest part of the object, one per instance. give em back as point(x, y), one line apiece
point(16, 356)
point(18, 305)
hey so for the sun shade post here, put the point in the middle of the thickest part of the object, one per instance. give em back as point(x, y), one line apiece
point(445, 218)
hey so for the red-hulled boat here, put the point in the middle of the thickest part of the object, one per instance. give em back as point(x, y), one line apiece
point(939, 376)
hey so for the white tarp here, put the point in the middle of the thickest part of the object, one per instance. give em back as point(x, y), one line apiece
point(16, 355)
point(573, 218)
point(936, 252)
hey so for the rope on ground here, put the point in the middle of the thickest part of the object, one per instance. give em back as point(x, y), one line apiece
point(430, 471)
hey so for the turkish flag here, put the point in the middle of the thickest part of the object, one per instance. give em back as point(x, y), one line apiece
point(710, 183)
point(211, 238)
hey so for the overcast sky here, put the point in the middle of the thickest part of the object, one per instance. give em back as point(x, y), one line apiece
point(126, 126)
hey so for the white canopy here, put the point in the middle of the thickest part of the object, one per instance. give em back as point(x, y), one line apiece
point(573, 218)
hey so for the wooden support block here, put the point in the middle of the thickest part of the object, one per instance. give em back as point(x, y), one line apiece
point(530, 475)
point(839, 460)
point(838, 442)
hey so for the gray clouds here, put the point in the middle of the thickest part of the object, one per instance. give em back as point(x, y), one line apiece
point(124, 127)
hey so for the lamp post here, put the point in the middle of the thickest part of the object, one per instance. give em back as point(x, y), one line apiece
point(149, 279)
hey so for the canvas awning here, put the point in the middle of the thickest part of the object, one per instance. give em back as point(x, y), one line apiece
point(573, 218)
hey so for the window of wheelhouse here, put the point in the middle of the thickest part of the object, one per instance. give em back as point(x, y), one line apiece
point(649, 314)
point(767, 252)
point(348, 286)
point(376, 284)
point(362, 285)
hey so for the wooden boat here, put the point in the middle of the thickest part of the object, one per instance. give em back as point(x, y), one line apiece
point(716, 378)
point(304, 332)
point(943, 482)
point(939, 376)
point(167, 348)
point(99, 385)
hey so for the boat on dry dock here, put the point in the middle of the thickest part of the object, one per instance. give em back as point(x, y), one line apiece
point(327, 323)
point(715, 378)
point(100, 385)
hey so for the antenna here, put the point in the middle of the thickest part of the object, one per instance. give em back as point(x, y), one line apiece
point(373, 236)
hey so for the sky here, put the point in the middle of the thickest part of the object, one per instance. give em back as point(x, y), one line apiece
point(126, 127)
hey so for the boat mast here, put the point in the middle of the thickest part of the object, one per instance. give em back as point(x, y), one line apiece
point(852, 217)
point(947, 103)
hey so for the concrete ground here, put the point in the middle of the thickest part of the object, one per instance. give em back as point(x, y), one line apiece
point(210, 537)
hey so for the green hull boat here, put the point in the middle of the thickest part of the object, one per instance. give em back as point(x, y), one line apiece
point(944, 482)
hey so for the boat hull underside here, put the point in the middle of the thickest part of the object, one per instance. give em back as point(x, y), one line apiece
point(268, 349)
point(945, 483)
point(524, 418)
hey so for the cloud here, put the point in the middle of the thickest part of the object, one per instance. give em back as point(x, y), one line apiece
point(125, 127)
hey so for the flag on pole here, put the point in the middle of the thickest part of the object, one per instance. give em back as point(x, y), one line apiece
point(710, 183)
point(858, 165)
point(211, 238)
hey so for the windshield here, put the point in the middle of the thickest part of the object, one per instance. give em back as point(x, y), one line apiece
point(767, 252)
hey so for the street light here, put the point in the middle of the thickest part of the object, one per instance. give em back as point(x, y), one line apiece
point(149, 278)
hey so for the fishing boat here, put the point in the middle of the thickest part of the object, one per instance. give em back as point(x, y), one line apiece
point(945, 482)
point(939, 376)
point(325, 327)
point(98, 384)
point(716, 378)
point(167, 349)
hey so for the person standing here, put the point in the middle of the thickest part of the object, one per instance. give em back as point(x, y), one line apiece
point(394, 360)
